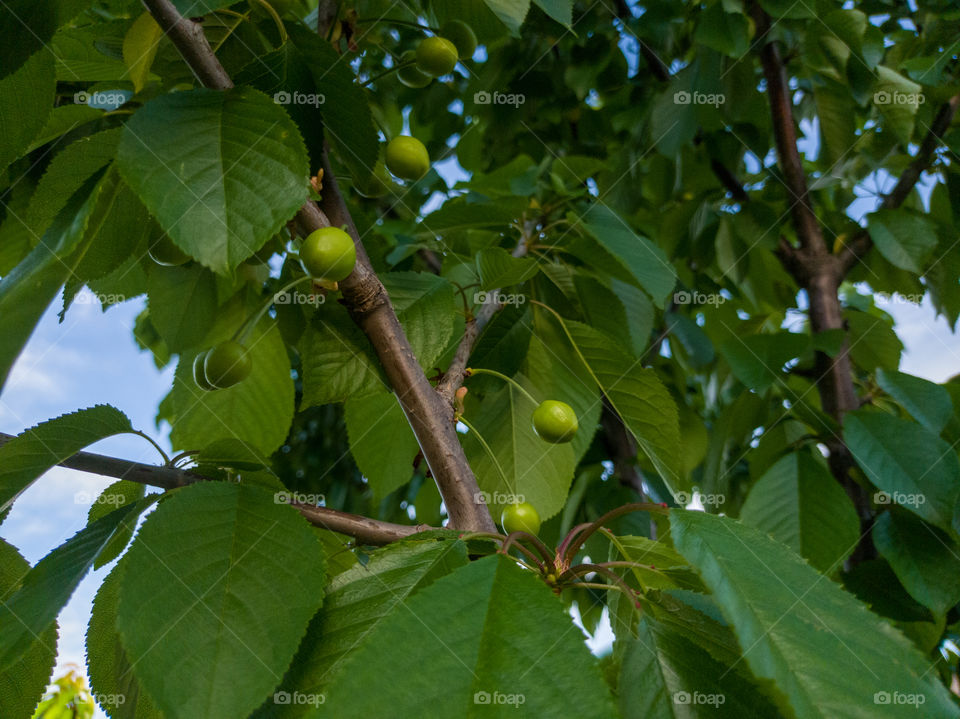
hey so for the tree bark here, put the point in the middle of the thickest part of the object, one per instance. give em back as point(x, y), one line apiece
point(363, 529)
point(369, 305)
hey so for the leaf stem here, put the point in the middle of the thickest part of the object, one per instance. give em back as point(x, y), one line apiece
point(407, 23)
point(276, 20)
point(486, 447)
point(388, 71)
point(166, 459)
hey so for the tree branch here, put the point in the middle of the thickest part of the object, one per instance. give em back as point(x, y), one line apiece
point(860, 244)
point(453, 377)
point(363, 529)
point(785, 135)
point(369, 306)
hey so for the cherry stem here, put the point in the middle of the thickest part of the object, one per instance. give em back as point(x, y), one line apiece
point(540, 546)
point(494, 373)
point(503, 547)
point(247, 327)
point(575, 544)
point(562, 549)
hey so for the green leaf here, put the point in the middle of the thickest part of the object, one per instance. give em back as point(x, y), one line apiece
point(534, 471)
point(664, 675)
point(29, 26)
point(804, 632)
point(357, 602)
point(897, 100)
point(662, 567)
point(929, 403)
point(559, 10)
point(645, 263)
point(638, 396)
point(456, 215)
point(257, 411)
point(119, 494)
point(111, 671)
point(506, 639)
point(28, 289)
point(905, 239)
point(873, 343)
point(67, 173)
point(196, 8)
point(338, 361)
point(909, 464)
point(209, 560)
point(727, 33)
point(139, 48)
point(381, 441)
point(758, 360)
point(347, 120)
point(34, 451)
point(510, 12)
point(425, 305)
point(183, 304)
point(23, 683)
point(47, 587)
point(925, 560)
point(221, 171)
point(798, 502)
point(26, 98)
point(498, 268)
point(838, 121)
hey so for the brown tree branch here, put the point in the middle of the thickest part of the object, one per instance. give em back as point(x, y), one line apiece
point(369, 306)
point(785, 135)
point(453, 377)
point(363, 529)
point(854, 250)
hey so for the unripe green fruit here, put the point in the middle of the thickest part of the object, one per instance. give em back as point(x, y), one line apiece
point(164, 252)
point(555, 422)
point(411, 76)
point(407, 158)
point(461, 35)
point(328, 254)
point(436, 56)
point(520, 518)
point(199, 375)
point(227, 364)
